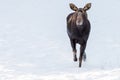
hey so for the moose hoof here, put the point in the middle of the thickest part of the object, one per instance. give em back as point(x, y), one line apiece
point(75, 59)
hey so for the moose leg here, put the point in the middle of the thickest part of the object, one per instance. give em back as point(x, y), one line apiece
point(84, 56)
point(73, 44)
point(82, 50)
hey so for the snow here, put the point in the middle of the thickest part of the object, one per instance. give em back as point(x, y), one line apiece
point(34, 44)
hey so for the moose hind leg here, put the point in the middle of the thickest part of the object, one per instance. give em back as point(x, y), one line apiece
point(82, 52)
point(73, 44)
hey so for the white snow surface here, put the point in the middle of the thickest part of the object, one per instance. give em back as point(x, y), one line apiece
point(34, 44)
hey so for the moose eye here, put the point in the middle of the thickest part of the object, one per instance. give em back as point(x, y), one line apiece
point(83, 11)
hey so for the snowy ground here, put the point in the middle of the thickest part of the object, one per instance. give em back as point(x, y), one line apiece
point(34, 44)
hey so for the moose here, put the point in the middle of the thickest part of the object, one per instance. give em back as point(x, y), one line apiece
point(78, 30)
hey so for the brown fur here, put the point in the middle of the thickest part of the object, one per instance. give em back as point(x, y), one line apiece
point(72, 19)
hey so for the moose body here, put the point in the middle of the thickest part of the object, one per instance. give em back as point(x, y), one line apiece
point(78, 29)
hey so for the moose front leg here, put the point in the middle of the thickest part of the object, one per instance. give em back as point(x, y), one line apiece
point(82, 51)
point(73, 44)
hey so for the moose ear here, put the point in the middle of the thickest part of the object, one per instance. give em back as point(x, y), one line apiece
point(87, 7)
point(73, 7)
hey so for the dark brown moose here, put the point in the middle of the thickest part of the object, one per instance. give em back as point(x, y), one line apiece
point(78, 29)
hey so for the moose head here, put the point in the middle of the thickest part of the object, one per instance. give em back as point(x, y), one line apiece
point(86, 7)
point(80, 13)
